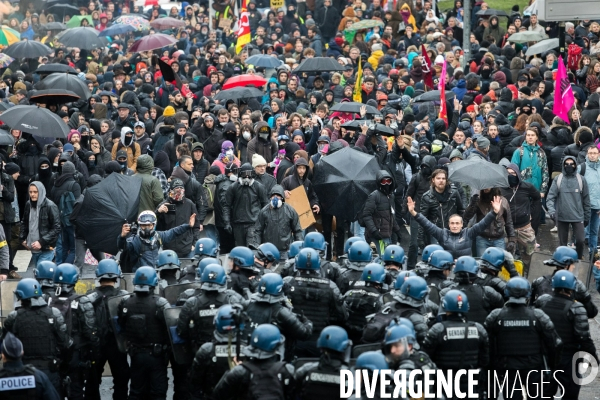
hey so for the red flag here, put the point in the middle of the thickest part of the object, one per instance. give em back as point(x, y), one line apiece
point(427, 74)
point(442, 88)
point(243, 31)
point(563, 93)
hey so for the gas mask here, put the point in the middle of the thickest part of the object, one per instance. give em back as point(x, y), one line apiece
point(229, 153)
point(245, 181)
point(276, 202)
point(233, 178)
point(263, 136)
point(146, 232)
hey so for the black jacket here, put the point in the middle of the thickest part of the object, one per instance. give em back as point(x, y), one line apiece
point(183, 210)
point(525, 203)
point(438, 208)
point(378, 217)
point(210, 138)
point(48, 224)
point(222, 183)
point(419, 184)
point(278, 226)
point(243, 203)
point(8, 196)
point(293, 181)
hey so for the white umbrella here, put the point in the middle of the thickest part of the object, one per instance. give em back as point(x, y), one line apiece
point(542, 47)
point(526, 36)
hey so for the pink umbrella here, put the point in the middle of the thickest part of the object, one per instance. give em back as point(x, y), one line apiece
point(152, 42)
point(167, 23)
point(245, 80)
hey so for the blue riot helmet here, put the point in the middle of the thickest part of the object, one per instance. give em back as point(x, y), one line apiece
point(206, 247)
point(455, 301)
point(44, 273)
point(492, 258)
point(350, 241)
point(167, 259)
point(372, 361)
point(214, 278)
point(242, 257)
point(466, 265)
point(563, 257)
point(315, 240)
point(265, 342)
point(441, 260)
point(108, 269)
point(414, 290)
point(402, 276)
point(270, 284)
point(360, 252)
point(295, 248)
point(373, 274)
point(335, 339)
point(399, 334)
point(202, 264)
point(393, 254)
point(518, 290)
point(65, 277)
point(28, 288)
point(404, 322)
point(224, 320)
point(428, 250)
point(268, 253)
point(308, 259)
point(564, 280)
point(145, 279)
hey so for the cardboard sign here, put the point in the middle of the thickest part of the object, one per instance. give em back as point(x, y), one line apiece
point(225, 23)
point(299, 202)
point(277, 4)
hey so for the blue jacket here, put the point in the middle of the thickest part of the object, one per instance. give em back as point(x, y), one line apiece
point(592, 177)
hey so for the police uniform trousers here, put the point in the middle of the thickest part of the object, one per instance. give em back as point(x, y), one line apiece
point(148, 375)
point(119, 368)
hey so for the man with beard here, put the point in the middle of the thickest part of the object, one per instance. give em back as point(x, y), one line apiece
point(141, 138)
point(205, 130)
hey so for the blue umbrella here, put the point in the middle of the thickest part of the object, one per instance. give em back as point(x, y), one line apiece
point(263, 60)
point(117, 29)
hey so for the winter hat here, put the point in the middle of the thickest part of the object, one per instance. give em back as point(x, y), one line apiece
point(121, 153)
point(169, 111)
point(585, 136)
point(257, 160)
point(12, 168)
point(376, 47)
point(115, 134)
point(68, 147)
point(226, 145)
point(214, 170)
point(68, 168)
point(73, 132)
point(297, 132)
point(11, 347)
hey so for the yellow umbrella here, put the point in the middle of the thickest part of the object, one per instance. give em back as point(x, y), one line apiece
point(8, 36)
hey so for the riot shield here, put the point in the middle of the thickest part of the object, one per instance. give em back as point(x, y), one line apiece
point(113, 310)
point(172, 292)
point(8, 301)
point(181, 352)
point(186, 262)
point(127, 282)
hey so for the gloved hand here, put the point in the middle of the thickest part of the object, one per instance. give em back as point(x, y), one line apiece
point(511, 247)
point(228, 229)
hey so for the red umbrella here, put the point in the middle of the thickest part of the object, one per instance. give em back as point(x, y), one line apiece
point(152, 42)
point(245, 80)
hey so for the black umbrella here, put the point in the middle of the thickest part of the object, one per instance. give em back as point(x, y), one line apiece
point(35, 120)
point(66, 82)
point(238, 93)
point(343, 182)
point(6, 139)
point(52, 68)
point(27, 49)
point(105, 208)
point(490, 12)
point(478, 174)
point(352, 107)
point(263, 60)
point(82, 37)
point(382, 129)
point(433, 95)
point(63, 9)
point(319, 64)
point(54, 26)
point(5, 106)
point(53, 96)
point(354, 125)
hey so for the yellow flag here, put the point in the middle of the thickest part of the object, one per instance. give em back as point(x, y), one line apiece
point(357, 97)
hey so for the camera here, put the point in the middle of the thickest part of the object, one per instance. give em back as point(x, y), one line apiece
point(133, 228)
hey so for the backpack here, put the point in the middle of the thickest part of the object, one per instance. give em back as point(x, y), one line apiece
point(161, 140)
point(574, 55)
point(102, 318)
point(375, 329)
point(265, 383)
point(559, 179)
point(66, 205)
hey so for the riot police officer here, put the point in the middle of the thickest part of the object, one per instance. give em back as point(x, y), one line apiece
point(267, 257)
point(564, 258)
point(107, 272)
point(408, 302)
point(80, 318)
point(571, 323)
point(263, 375)
point(360, 302)
point(483, 299)
point(22, 381)
point(422, 267)
point(315, 296)
point(359, 255)
point(270, 306)
point(321, 379)
point(347, 244)
point(214, 357)
point(456, 343)
point(372, 361)
point(243, 275)
point(44, 274)
point(316, 241)
point(196, 290)
point(289, 266)
point(398, 348)
point(521, 339)
point(393, 260)
point(142, 321)
point(42, 331)
point(440, 263)
point(204, 248)
point(490, 264)
point(167, 266)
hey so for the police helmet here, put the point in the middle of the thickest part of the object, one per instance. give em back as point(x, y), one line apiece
point(404, 322)
point(315, 240)
point(213, 274)
point(360, 252)
point(206, 247)
point(563, 257)
point(396, 333)
point(334, 338)
point(455, 301)
point(167, 259)
point(564, 280)
point(350, 242)
point(309, 259)
point(66, 274)
point(28, 288)
point(225, 319)
point(393, 254)
point(108, 269)
point(372, 361)
point(466, 264)
point(295, 248)
point(242, 256)
point(373, 273)
point(493, 258)
point(428, 250)
point(44, 271)
point(415, 287)
point(266, 337)
point(271, 284)
point(144, 279)
point(441, 259)
point(401, 277)
point(203, 263)
point(267, 252)
point(518, 290)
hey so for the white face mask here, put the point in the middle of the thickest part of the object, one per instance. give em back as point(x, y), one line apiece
point(229, 152)
point(246, 135)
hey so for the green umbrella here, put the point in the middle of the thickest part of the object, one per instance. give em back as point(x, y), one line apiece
point(75, 21)
point(526, 36)
point(365, 24)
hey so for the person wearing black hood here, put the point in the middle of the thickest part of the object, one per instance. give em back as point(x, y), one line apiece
point(378, 213)
point(29, 152)
point(230, 133)
point(8, 217)
point(44, 174)
point(91, 161)
point(210, 137)
point(223, 182)
point(181, 136)
point(300, 178)
point(263, 143)
point(201, 166)
point(287, 162)
point(65, 186)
